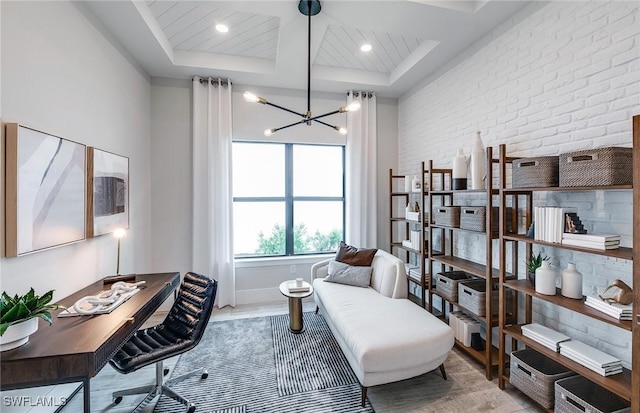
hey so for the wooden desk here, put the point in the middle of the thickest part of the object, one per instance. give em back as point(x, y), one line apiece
point(74, 349)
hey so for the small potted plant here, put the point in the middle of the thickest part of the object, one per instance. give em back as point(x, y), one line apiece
point(533, 263)
point(19, 317)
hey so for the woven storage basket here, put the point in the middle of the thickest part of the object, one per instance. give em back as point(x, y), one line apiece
point(473, 218)
point(448, 216)
point(535, 172)
point(447, 283)
point(597, 167)
point(535, 375)
point(472, 296)
point(578, 395)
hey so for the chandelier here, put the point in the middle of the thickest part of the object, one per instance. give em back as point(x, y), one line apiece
point(308, 8)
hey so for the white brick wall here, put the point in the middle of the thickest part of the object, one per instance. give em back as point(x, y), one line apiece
point(554, 78)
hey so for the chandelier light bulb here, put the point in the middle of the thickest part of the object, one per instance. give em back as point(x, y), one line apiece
point(250, 97)
point(353, 106)
point(366, 47)
point(342, 130)
point(268, 132)
point(222, 28)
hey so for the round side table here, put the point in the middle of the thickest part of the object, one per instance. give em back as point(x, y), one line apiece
point(296, 324)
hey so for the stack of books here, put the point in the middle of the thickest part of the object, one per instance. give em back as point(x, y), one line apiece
point(595, 241)
point(592, 358)
point(294, 288)
point(615, 310)
point(549, 338)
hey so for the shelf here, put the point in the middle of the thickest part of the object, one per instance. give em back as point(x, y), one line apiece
point(619, 384)
point(567, 188)
point(479, 355)
point(574, 305)
point(402, 247)
point(464, 191)
point(622, 252)
point(473, 268)
point(409, 221)
point(494, 235)
point(399, 193)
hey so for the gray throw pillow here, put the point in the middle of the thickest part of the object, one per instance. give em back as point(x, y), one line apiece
point(342, 273)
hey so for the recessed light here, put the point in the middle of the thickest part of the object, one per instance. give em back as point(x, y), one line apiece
point(222, 28)
point(365, 47)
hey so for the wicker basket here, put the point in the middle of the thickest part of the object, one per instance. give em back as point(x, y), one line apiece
point(473, 218)
point(472, 296)
point(447, 216)
point(578, 395)
point(535, 172)
point(447, 283)
point(535, 375)
point(597, 167)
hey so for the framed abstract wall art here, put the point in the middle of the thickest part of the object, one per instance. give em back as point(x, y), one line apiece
point(45, 190)
point(107, 192)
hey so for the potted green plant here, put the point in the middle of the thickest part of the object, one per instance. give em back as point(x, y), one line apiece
point(19, 317)
point(533, 262)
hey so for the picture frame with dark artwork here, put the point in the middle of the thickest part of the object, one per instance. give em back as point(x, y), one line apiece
point(107, 192)
point(45, 191)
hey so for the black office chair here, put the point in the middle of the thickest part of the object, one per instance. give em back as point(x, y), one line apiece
point(180, 331)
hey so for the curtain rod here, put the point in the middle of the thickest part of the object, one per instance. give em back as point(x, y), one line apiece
point(215, 81)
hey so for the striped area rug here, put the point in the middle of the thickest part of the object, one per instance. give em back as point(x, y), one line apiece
point(257, 365)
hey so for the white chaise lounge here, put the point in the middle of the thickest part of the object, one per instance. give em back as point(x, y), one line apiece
point(384, 336)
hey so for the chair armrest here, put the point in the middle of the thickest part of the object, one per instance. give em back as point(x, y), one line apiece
point(320, 269)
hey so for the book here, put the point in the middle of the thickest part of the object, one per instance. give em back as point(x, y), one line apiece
point(609, 245)
point(544, 335)
point(104, 309)
point(590, 354)
point(297, 289)
point(615, 310)
point(593, 237)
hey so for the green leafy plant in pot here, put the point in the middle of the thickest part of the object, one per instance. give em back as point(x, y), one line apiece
point(533, 262)
point(17, 311)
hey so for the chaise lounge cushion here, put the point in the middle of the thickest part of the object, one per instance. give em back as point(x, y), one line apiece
point(367, 323)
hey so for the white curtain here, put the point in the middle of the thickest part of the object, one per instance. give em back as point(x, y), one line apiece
point(361, 172)
point(212, 193)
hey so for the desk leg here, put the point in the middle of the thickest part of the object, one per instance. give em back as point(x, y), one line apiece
point(296, 325)
point(86, 390)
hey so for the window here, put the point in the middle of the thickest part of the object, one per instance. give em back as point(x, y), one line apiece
point(288, 199)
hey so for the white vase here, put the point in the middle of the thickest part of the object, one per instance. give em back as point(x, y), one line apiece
point(546, 279)
point(572, 282)
point(18, 334)
point(459, 170)
point(478, 163)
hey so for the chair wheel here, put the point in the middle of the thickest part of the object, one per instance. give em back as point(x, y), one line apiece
point(191, 408)
point(204, 375)
point(117, 400)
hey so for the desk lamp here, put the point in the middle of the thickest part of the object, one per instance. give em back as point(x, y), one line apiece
point(118, 234)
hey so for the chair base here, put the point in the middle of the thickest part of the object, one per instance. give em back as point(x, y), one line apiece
point(161, 387)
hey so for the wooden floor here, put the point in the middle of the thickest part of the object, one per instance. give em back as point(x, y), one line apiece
point(108, 380)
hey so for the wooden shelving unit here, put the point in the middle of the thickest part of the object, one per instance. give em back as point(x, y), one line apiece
point(400, 227)
point(446, 259)
point(626, 384)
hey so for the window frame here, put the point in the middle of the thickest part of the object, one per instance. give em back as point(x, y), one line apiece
point(289, 199)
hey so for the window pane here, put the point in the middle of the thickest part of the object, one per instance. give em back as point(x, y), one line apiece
point(258, 228)
point(317, 226)
point(317, 170)
point(258, 169)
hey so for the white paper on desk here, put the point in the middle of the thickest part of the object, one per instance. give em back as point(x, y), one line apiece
point(71, 312)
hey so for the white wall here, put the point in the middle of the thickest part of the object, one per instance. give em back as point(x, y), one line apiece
point(256, 280)
point(61, 75)
point(555, 78)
